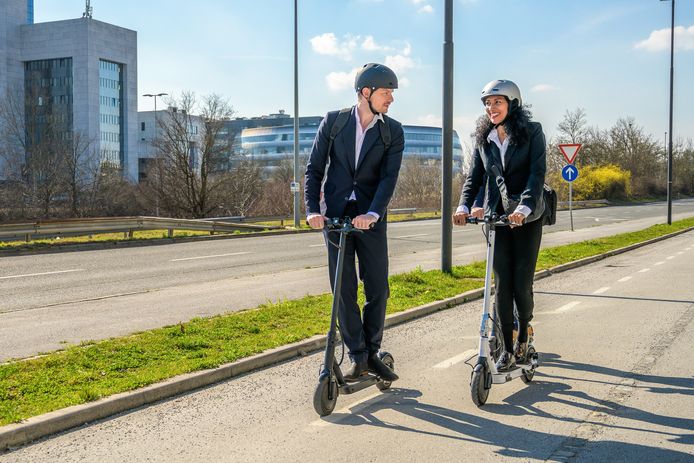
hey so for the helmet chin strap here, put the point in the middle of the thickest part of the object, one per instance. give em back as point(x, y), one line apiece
point(368, 100)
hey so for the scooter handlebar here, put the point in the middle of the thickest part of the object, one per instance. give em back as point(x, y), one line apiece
point(491, 220)
point(344, 223)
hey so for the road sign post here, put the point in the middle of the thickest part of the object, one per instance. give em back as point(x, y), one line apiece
point(570, 172)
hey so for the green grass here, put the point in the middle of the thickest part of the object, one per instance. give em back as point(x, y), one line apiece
point(87, 372)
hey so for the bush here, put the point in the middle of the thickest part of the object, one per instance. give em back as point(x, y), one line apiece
point(595, 182)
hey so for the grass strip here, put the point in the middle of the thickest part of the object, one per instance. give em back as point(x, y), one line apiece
point(91, 370)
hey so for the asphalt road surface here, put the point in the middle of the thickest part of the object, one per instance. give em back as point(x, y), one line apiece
point(50, 300)
point(615, 383)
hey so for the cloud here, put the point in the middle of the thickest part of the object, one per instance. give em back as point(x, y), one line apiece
point(369, 44)
point(338, 81)
point(328, 44)
point(399, 63)
point(426, 9)
point(540, 88)
point(660, 40)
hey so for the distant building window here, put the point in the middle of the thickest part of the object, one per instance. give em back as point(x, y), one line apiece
point(143, 126)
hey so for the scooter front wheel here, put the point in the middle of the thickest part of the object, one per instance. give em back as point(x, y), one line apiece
point(478, 390)
point(325, 396)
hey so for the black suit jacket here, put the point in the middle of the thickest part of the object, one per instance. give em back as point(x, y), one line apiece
point(524, 174)
point(372, 180)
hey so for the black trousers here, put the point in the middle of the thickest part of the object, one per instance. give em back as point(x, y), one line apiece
point(515, 256)
point(362, 331)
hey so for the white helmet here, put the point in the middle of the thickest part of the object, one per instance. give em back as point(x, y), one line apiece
point(505, 88)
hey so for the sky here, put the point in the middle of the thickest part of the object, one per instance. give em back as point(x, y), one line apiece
point(611, 58)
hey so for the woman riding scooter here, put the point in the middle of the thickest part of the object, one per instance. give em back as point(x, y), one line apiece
point(509, 161)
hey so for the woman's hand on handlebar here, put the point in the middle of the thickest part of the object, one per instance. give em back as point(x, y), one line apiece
point(477, 212)
point(460, 218)
point(516, 219)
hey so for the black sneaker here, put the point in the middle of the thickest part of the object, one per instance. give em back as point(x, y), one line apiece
point(381, 370)
point(521, 352)
point(506, 362)
point(356, 369)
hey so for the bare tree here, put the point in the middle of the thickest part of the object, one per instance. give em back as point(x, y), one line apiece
point(573, 127)
point(189, 148)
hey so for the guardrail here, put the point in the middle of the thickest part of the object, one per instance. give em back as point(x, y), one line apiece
point(127, 225)
point(586, 202)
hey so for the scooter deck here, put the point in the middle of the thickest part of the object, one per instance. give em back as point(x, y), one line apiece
point(362, 383)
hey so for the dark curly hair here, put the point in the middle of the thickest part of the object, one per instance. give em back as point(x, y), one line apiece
point(515, 124)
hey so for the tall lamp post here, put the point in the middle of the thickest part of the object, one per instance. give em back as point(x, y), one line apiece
point(669, 148)
point(447, 142)
point(295, 184)
point(155, 96)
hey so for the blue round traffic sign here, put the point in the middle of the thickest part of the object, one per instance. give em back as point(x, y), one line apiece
point(570, 173)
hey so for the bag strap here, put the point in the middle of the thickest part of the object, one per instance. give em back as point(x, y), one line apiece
point(501, 184)
point(384, 128)
point(338, 125)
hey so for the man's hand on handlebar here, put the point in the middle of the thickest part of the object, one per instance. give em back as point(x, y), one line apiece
point(364, 221)
point(477, 212)
point(316, 221)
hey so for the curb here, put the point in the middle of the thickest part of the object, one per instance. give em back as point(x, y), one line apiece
point(15, 435)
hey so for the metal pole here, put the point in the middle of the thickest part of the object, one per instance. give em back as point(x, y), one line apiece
point(571, 210)
point(297, 207)
point(447, 145)
point(669, 156)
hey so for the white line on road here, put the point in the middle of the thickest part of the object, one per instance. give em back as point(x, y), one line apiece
point(659, 263)
point(601, 290)
point(411, 236)
point(670, 257)
point(210, 257)
point(350, 409)
point(317, 245)
point(43, 273)
point(680, 253)
point(644, 270)
point(455, 360)
point(567, 307)
point(622, 280)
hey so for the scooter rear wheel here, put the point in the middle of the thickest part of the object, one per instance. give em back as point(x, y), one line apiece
point(528, 375)
point(390, 363)
point(477, 386)
point(325, 396)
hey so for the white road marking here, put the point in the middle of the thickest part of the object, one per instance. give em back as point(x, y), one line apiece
point(644, 270)
point(317, 245)
point(601, 290)
point(670, 257)
point(659, 263)
point(412, 236)
point(680, 253)
point(622, 280)
point(567, 307)
point(455, 360)
point(41, 274)
point(210, 257)
point(350, 409)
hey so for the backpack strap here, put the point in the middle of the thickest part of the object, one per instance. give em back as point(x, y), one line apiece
point(338, 125)
point(385, 133)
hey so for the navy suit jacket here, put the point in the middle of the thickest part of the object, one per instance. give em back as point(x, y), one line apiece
point(524, 174)
point(373, 179)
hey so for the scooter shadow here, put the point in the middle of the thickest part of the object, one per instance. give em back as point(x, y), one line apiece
point(453, 425)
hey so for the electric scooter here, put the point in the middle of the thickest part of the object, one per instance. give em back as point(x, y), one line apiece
point(484, 373)
point(331, 382)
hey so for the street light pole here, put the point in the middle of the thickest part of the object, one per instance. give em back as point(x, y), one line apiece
point(155, 96)
point(295, 184)
point(669, 154)
point(447, 142)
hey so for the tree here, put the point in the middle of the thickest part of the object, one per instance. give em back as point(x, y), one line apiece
point(189, 148)
point(572, 128)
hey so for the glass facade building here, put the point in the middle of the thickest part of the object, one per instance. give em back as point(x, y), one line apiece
point(111, 112)
point(30, 11)
point(48, 98)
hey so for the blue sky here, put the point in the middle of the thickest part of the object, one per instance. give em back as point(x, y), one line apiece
point(609, 57)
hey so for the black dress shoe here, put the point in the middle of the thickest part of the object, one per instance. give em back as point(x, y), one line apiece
point(380, 369)
point(507, 361)
point(356, 369)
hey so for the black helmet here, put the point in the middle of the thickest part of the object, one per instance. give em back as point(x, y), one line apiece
point(373, 76)
point(505, 88)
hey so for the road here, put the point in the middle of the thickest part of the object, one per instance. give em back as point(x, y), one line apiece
point(615, 384)
point(50, 300)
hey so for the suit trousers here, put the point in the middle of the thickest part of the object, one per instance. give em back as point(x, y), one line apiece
point(515, 256)
point(362, 331)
